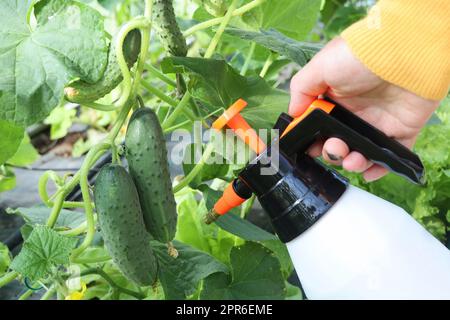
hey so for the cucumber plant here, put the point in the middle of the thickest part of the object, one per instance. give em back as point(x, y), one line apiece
point(114, 243)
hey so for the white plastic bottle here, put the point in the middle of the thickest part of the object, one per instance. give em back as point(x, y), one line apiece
point(367, 248)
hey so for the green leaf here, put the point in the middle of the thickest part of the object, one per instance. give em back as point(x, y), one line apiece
point(5, 258)
point(61, 120)
point(296, 51)
point(44, 250)
point(192, 230)
point(343, 17)
point(11, 137)
point(25, 155)
point(180, 276)
point(293, 292)
point(216, 84)
point(38, 215)
point(243, 228)
point(7, 179)
point(233, 223)
point(209, 171)
point(255, 275)
point(281, 252)
point(293, 18)
point(109, 4)
point(69, 42)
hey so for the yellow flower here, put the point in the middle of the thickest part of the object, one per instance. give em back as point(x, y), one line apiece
point(77, 295)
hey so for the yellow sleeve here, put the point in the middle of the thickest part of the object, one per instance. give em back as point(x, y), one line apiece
point(407, 43)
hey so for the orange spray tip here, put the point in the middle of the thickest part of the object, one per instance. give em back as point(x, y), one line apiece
point(228, 201)
point(233, 119)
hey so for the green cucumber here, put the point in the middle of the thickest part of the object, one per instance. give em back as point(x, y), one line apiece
point(83, 92)
point(167, 28)
point(146, 154)
point(122, 225)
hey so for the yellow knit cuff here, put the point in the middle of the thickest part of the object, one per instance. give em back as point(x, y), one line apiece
point(407, 43)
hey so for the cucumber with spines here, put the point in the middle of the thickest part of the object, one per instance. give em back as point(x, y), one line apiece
point(167, 28)
point(146, 154)
point(83, 92)
point(122, 226)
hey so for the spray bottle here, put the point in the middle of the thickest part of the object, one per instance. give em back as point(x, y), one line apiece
point(345, 243)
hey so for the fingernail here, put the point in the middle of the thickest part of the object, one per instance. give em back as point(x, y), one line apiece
point(333, 157)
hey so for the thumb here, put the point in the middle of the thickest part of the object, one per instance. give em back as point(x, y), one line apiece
point(306, 86)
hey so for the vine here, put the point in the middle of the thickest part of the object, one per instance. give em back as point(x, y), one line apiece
point(134, 80)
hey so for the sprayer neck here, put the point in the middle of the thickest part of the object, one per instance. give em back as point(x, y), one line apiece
point(294, 192)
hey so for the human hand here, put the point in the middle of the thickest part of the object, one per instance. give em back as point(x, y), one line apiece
point(338, 74)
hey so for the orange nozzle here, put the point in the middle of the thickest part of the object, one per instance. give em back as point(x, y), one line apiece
point(228, 201)
point(233, 119)
point(317, 104)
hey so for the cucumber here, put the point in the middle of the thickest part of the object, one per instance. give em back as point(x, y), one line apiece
point(82, 92)
point(122, 225)
point(146, 154)
point(167, 28)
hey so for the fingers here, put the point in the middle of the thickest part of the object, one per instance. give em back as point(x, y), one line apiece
point(306, 86)
point(316, 149)
point(334, 151)
point(374, 173)
point(356, 162)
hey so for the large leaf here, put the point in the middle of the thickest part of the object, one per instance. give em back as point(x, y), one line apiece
point(180, 276)
point(42, 251)
point(5, 258)
point(299, 52)
point(210, 171)
point(192, 230)
point(293, 18)
point(7, 178)
point(11, 136)
point(61, 120)
point(38, 215)
point(25, 154)
point(281, 252)
point(233, 223)
point(68, 42)
point(217, 85)
point(255, 275)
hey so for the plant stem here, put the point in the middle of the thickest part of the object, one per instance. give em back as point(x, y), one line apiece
point(198, 167)
point(42, 190)
point(49, 294)
point(267, 65)
point(209, 52)
point(111, 282)
point(84, 184)
point(161, 95)
point(212, 22)
point(26, 295)
point(143, 23)
point(177, 111)
point(100, 107)
point(177, 126)
point(81, 260)
point(161, 76)
point(56, 209)
point(215, 40)
point(75, 231)
point(7, 278)
point(145, 44)
point(248, 59)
